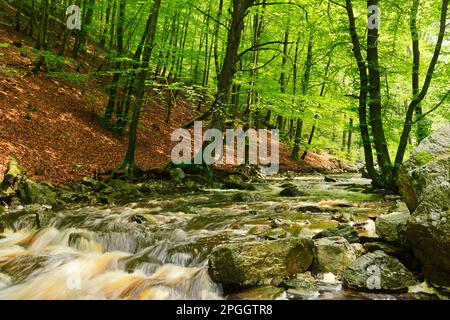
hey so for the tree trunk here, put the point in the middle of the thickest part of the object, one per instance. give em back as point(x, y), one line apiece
point(422, 94)
point(375, 106)
point(117, 67)
point(80, 44)
point(349, 143)
point(363, 93)
point(129, 162)
point(297, 142)
point(311, 136)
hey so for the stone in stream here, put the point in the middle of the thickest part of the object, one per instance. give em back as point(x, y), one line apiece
point(291, 191)
point(302, 287)
point(275, 234)
point(358, 248)
point(391, 227)
point(316, 209)
point(77, 237)
point(246, 197)
point(333, 255)
point(388, 248)
point(344, 230)
point(257, 263)
point(235, 182)
point(343, 217)
point(378, 271)
point(424, 182)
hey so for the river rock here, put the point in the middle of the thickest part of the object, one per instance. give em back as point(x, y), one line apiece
point(344, 230)
point(302, 287)
point(32, 192)
point(256, 263)
point(378, 272)
point(333, 255)
point(291, 191)
point(235, 182)
point(316, 209)
point(391, 227)
point(246, 197)
point(424, 182)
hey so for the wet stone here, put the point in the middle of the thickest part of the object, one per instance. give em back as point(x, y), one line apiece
point(344, 230)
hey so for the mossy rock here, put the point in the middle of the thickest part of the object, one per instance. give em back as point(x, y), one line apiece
point(380, 272)
point(258, 263)
point(31, 192)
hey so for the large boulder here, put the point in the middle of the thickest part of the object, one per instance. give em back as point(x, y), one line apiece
point(333, 255)
point(391, 227)
point(378, 272)
point(31, 192)
point(257, 263)
point(424, 182)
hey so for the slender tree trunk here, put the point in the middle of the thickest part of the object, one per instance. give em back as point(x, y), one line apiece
point(311, 136)
point(240, 10)
point(422, 124)
point(117, 67)
point(105, 29)
point(123, 113)
point(80, 44)
point(422, 94)
point(297, 142)
point(375, 106)
point(349, 143)
point(363, 94)
point(43, 25)
point(129, 162)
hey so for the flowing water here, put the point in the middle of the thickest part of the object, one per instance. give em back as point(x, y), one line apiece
point(158, 248)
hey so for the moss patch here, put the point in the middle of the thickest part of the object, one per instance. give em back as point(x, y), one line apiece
point(423, 158)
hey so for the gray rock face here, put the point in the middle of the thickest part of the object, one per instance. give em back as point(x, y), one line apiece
point(391, 227)
point(378, 272)
point(31, 192)
point(424, 181)
point(333, 255)
point(257, 263)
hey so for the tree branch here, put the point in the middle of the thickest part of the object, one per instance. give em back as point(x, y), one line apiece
point(264, 65)
point(255, 47)
point(434, 108)
point(338, 4)
point(209, 16)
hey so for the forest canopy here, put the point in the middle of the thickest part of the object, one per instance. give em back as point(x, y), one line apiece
point(315, 69)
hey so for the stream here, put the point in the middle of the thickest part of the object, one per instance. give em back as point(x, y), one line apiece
point(158, 248)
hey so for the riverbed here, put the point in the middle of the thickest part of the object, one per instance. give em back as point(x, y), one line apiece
point(158, 248)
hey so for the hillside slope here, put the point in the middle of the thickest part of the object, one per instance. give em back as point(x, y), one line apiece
point(52, 125)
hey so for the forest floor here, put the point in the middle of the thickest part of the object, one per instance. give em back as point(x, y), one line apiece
point(53, 125)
